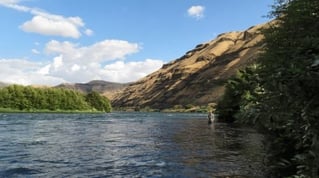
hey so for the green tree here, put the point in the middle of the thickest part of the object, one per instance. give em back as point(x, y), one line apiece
point(55, 99)
point(284, 100)
point(290, 78)
point(240, 92)
point(98, 102)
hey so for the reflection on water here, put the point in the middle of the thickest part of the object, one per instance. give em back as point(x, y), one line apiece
point(126, 145)
point(221, 150)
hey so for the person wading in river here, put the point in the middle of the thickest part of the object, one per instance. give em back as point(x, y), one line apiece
point(211, 117)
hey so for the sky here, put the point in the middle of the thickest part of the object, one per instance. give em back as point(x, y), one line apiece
point(48, 42)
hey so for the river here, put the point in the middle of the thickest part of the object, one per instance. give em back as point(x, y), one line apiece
point(126, 145)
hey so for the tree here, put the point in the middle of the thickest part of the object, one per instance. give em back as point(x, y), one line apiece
point(284, 100)
point(240, 92)
point(28, 98)
point(98, 102)
point(290, 77)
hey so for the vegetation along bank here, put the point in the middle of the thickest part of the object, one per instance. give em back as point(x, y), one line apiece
point(279, 93)
point(30, 99)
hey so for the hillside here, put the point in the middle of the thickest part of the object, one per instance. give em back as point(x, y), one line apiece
point(198, 77)
point(108, 89)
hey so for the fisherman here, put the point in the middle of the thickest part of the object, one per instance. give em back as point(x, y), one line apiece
point(211, 117)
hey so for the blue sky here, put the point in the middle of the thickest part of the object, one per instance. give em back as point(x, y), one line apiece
point(49, 42)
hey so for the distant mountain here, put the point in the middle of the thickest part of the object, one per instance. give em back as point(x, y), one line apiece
point(3, 84)
point(106, 88)
point(198, 77)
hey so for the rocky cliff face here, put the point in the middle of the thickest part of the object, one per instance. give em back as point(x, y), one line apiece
point(198, 77)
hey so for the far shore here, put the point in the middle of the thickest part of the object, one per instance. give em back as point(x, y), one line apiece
point(196, 109)
point(8, 110)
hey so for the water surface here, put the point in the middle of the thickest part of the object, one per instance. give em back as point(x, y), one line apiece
point(126, 145)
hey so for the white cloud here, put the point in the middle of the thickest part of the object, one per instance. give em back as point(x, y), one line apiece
point(46, 26)
point(88, 32)
point(75, 67)
point(83, 63)
point(13, 4)
point(99, 52)
point(75, 63)
point(72, 62)
point(25, 72)
point(45, 23)
point(57, 62)
point(35, 51)
point(196, 11)
point(44, 70)
point(131, 71)
point(8, 1)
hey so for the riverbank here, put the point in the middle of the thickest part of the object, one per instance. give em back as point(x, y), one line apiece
point(175, 109)
point(9, 110)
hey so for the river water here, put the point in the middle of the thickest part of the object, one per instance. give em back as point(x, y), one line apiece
point(126, 145)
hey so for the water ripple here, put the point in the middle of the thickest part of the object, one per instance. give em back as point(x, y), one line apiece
point(20, 171)
point(126, 145)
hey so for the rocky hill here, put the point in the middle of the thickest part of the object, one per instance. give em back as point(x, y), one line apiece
point(109, 89)
point(199, 76)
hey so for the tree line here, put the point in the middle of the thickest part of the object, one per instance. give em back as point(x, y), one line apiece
point(27, 98)
point(279, 94)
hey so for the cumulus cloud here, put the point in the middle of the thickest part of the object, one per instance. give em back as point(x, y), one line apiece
point(99, 52)
point(49, 24)
point(25, 72)
point(131, 71)
point(72, 62)
point(57, 71)
point(35, 51)
point(196, 11)
point(68, 61)
point(88, 32)
point(83, 63)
